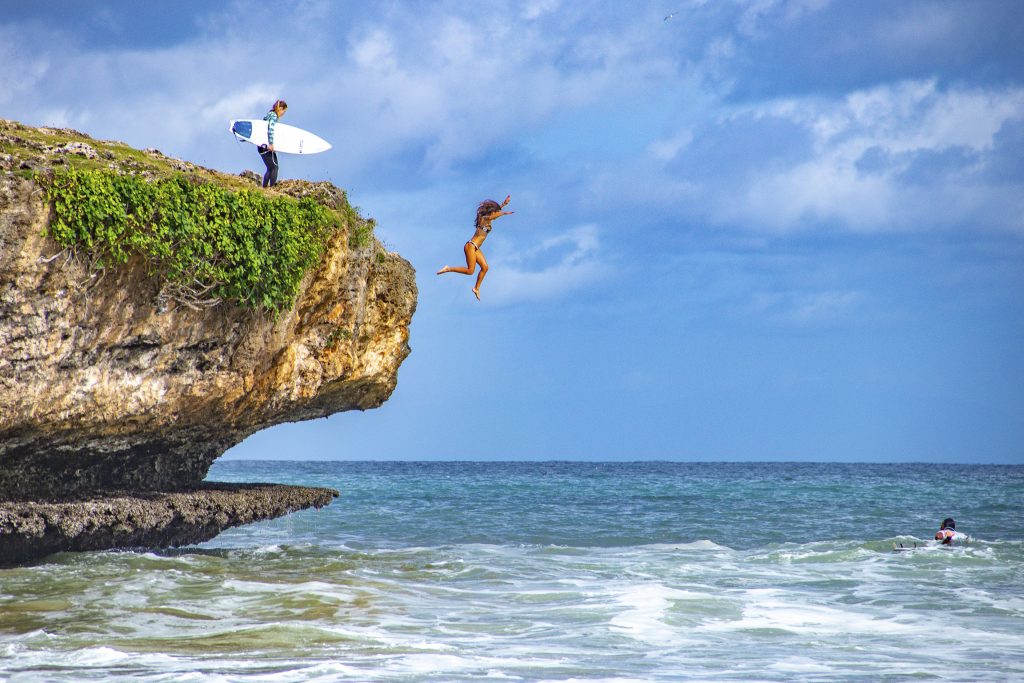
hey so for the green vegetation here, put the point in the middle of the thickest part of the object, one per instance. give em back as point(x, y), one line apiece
point(206, 242)
point(338, 334)
point(209, 236)
point(362, 234)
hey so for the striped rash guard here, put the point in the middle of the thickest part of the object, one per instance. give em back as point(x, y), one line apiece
point(271, 118)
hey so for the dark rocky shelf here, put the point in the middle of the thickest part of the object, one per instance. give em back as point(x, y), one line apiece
point(32, 530)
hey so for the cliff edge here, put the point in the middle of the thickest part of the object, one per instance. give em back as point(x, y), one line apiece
point(114, 383)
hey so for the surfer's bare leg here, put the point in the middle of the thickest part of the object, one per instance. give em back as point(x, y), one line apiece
point(483, 271)
point(471, 258)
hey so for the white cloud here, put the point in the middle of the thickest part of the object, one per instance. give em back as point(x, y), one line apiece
point(535, 9)
point(445, 83)
point(898, 122)
point(428, 93)
point(572, 263)
point(250, 100)
point(805, 308)
point(667, 149)
point(816, 191)
point(23, 69)
point(374, 51)
point(760, 13)
point(928, 24)
point(916, 115)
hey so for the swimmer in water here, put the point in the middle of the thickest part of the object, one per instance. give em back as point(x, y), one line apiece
point(947, 531)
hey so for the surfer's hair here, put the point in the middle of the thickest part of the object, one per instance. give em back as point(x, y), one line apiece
point(486, 208)
point(280, 103)
point(948, 523)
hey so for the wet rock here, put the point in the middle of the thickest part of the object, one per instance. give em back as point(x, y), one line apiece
point(32, 530)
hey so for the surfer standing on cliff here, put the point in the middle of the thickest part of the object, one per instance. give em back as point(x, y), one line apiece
point(267, 152)
point(485, 214)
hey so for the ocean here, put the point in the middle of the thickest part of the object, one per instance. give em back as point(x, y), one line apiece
point(554, 571)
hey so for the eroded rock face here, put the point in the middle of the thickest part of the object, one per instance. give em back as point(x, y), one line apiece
point(104, 384)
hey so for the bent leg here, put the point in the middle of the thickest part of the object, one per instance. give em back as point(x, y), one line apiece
point(471, 259)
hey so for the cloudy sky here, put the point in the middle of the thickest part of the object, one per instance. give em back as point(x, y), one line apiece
point(764, 230)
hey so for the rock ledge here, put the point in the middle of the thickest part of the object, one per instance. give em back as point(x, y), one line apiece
point(32, 530)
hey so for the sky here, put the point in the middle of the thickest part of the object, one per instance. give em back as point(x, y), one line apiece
point(766, 230)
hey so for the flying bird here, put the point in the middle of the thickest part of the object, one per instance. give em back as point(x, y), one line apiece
point(670, 16)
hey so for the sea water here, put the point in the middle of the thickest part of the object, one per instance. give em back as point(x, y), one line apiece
point(554, 572)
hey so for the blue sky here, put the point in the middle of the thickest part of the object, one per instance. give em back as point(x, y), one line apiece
point(765, 230)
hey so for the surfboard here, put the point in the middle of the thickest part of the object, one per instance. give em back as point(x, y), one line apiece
point(287, 139)
point(958, 539)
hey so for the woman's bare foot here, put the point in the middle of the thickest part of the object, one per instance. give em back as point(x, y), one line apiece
point(477, 293)
point(443, 271)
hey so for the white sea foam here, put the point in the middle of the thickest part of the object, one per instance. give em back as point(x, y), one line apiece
point(303, 588)
point(703, 544)
point(776, 609)
point(799, 665)
point(1003, 603)
point(700, 545)
point(323, 672)
point(370, 598)
point(96, 657)
point(646, 610)
point(435, 663)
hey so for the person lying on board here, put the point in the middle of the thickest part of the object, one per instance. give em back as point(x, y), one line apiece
point(947, 531)
point(485, 214)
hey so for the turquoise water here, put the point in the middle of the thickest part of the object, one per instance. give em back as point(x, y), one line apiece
point(554, 572)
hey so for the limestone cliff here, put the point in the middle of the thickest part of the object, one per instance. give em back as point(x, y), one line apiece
point(108, 384)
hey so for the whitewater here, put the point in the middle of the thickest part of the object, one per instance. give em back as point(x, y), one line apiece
point(554, 571)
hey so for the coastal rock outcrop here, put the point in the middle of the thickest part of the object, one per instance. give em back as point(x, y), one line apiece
point(30, 530)
point(107, 385)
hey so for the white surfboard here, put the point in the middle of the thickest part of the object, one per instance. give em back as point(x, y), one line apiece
point(287, 139)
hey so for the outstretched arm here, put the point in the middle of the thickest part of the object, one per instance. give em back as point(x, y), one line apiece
point(498, 214)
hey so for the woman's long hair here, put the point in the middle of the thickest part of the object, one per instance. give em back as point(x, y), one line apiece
point(486, 208)
point(279, 103)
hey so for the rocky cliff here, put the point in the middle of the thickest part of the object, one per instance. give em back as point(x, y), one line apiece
point(108, 384)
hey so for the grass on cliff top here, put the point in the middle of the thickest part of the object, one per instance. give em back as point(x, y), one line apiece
point(208, 236)
point(29, 145)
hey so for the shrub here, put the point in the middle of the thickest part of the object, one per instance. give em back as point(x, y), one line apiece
point(204, 241)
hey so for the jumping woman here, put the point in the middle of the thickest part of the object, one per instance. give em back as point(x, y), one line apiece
point(267, 152)
point(485, 214)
